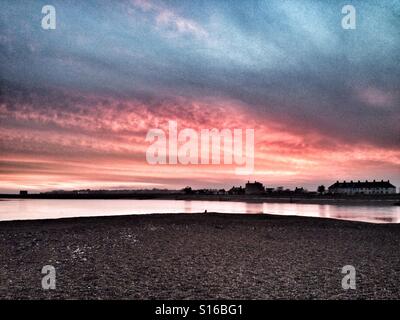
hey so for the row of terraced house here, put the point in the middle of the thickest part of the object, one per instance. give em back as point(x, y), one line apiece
point(360, 187)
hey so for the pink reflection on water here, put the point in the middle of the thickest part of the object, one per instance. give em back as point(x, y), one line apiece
point(27, 209)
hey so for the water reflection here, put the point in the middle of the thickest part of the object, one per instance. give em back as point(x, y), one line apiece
point(23, 209)
point(324, 211)
point(254, 208)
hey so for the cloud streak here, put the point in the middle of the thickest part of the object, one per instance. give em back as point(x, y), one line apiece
point(169, 20)
point(100, 141)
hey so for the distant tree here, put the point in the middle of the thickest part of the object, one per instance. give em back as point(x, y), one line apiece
point(321, 189)
point(188, 190)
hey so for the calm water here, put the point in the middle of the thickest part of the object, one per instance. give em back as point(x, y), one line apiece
point(26, 209)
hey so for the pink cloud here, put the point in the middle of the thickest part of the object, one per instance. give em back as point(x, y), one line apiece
point(95, 141)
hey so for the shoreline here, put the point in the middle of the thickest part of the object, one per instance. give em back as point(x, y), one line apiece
point(199, 256)
point(351, 201)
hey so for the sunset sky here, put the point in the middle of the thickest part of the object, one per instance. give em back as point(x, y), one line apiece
point(76, 102)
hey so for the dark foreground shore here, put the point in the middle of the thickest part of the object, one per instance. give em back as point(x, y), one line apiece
point(203, 256)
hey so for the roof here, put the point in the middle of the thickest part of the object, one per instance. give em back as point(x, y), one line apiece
point(255, 183)
point(366, 184)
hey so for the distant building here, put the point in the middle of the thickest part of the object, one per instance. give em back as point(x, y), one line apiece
point(367, 187)
point(23, 193)
point(222, 191)
point(300, 190)
point(236, 190)
point(269, 190)
point(254, 188)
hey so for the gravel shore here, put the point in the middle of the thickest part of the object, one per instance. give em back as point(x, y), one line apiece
point(199, 256)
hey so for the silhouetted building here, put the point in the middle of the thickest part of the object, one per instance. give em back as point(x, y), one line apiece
point(236, 190)
point(23, 193)
point(300, 190)
point(269, 190)
point(222, 191)
point(367, 187)
point(254, 188)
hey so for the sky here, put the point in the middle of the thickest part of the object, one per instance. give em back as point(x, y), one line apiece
point(77, 102)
